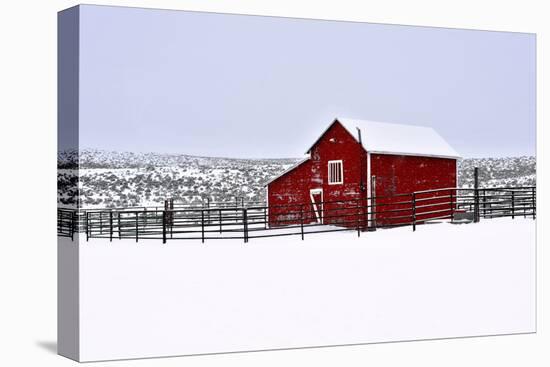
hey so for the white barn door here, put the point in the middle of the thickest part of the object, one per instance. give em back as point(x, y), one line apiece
point(316, 196)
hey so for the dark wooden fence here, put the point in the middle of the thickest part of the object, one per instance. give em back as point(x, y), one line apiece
point(67, 222)
point(249, 220)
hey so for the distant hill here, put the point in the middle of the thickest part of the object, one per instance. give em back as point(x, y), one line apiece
point(117, 179)
point(498, 172)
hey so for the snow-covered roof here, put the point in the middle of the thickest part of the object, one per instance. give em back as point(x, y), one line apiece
point(390, 138)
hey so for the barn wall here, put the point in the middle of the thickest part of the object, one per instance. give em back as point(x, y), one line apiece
point(340, 200)
point(287, 194)
point(399, 174)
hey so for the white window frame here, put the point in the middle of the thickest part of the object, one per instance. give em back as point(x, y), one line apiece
point(341, 165)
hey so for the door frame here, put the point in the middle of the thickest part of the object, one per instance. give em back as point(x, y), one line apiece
point(315, 208)
point(373, 209)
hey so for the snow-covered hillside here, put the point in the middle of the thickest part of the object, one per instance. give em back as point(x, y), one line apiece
point(498, 172)
point(116, 179)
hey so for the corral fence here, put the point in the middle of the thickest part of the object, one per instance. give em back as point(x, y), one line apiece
point(249, 220)
point(68, 225)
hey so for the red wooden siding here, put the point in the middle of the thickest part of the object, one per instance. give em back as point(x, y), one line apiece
point(294, 187)
point(289, 194)
point(399, 174)
point(338, 144)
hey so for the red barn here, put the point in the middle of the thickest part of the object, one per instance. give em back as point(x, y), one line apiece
point(354, 160)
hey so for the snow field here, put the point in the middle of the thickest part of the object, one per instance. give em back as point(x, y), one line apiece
point(184, 297)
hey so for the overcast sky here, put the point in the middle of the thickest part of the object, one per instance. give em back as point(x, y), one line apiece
point(250, 86)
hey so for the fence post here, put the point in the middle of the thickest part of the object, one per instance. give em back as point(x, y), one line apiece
point(513, 206)
point(523, 203)
point(245, 224)
point(484, 203)
point(171, 217)
point(414, 211)
point(137, 230)
point(208, 207)
point(145, 221)
point(73, 224)
point(110, 226)
point(236, 210)
point(87, 226)
point(372, 207)
point(202, 225)
point(302, 220)
point(452, 206)
point(475, 205)
point(476, 194)
point(164, 226)
point(265, 217)
point(358, 214)
point(119, 234)
point(533, 192)
point(220, 218)
point(170, 221)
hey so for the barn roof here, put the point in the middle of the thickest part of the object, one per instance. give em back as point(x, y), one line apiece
point(390, 138)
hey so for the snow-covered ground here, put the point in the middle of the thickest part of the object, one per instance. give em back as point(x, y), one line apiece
point(184, 297)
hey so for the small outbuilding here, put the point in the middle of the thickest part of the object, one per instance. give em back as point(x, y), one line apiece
point(364, 163)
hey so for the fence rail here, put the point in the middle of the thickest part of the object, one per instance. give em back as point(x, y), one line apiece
point(256, 221)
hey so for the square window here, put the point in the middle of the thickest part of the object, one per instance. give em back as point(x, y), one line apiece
point(335, 172)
